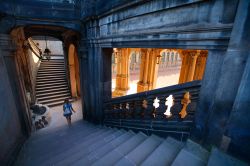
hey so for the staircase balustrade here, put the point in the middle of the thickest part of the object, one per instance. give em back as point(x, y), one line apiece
point(34, 48)
point(165, 110)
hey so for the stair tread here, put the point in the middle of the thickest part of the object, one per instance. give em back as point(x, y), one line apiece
point(78, 154)
point(51, 100)
point(191, 154)
point(122, 150)
point(56, 103)
point(53, 96)
point(74, 139)
point(59, 157)
point(53, 86)
point(170, 148)
point(141, 152)
point(51, 90)
point(100, 152)
point(53, 93)
point(219, 158)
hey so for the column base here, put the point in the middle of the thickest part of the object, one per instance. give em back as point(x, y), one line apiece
point(141, 87)
point(119, 92)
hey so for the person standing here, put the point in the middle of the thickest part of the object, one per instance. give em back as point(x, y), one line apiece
point(67, 111)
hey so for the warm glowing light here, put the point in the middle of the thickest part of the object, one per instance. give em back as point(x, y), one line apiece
point(35, 58)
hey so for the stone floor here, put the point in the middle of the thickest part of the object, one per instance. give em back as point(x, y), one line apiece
point(57, 118)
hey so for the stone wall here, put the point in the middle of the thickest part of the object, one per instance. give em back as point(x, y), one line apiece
point(13, 129)
point(34, 66)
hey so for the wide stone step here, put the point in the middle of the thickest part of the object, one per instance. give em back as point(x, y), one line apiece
point(81, 151)
point(51, 90)
point(53, 63)
point(45, 150)
point(50, 78)
point(100, 152)
point(51, 86)
point(141, 152)
point(49, 72)
point(165, 153)
point(115, 155)
point(192, 154)
point(48, 101)
point(40, 76)
point(50, 97)
point(53, 93)
point(51, 68)
point(57, 103)
point(52, 158)
point(39, 82)
point(219, 158)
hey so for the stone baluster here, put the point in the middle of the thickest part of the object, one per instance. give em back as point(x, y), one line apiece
point(116, 111)
point(185, 101)
point(130, 111)
point(148, 111)
point(138, 111)
point(162, 107)
point(123, 110)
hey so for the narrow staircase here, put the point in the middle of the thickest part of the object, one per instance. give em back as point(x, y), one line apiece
point(86, 144)
point(51, 83)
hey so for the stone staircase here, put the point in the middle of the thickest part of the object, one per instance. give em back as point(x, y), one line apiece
point(87, 144)
point(51, 83)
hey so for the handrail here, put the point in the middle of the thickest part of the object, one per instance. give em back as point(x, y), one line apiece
point(155, 110)
point(34, 48)
point(165, 90)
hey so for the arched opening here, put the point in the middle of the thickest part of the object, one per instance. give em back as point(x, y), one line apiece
point(44, 77)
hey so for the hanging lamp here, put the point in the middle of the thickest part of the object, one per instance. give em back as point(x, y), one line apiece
point(47, 52)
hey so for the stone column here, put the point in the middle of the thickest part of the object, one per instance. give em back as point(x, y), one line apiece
point(183, 67)
point(193, 55)
point(148, 69)
point(122, 76)
point(239, 117)
point(200, 65)
point(193, 65)
point(189, 58)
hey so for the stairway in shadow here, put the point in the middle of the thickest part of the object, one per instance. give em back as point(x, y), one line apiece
point(86, 144)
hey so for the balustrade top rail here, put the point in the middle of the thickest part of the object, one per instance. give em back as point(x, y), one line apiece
point(34, 48)
point(164, 91)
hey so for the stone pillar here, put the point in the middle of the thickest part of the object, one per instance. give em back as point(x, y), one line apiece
point(148, 69)
point(122, 76)
point(193, 65)
point(193, 55)
point(239, 118)
point(200, 65)
point(16, 122)
point(184, 65)
point(230, 80)
point(209, 81)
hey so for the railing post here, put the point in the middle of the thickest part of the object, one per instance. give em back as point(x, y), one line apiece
point(162, 107)
point(149, 110)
